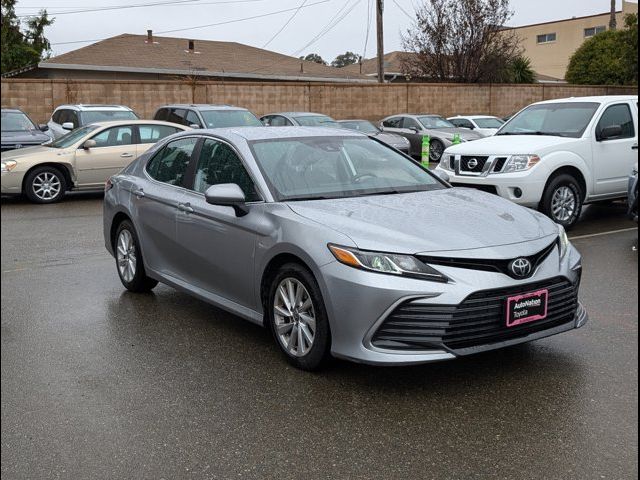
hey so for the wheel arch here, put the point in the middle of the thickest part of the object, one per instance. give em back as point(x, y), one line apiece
point(574, 172)
point(61, 167)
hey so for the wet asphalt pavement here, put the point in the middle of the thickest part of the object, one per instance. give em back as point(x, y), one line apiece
point(99, 383)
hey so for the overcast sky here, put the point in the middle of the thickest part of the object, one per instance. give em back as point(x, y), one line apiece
point(308, 24)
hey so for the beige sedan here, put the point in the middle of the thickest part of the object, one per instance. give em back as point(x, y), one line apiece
point(81, 160)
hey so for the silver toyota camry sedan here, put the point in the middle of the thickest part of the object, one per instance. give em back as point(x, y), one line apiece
point(340, 245)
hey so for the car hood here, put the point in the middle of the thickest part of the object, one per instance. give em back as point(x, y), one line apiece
point(448, 133)
point(442, 220)
point(513, 145)
point(390, 138)
point(29, 137)
point(33, 153)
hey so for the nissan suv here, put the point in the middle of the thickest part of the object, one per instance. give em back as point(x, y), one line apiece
point(207, 116)
point(66, 118)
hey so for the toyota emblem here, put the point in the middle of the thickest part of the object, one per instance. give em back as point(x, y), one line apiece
point(521, 268)
point(472, 163)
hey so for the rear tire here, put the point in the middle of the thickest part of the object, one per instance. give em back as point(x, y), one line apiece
point(129, 261)
point(45, 185)
point(562, 200)
point(297, 317)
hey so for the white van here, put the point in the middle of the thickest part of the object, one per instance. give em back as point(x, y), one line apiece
point(555, 155)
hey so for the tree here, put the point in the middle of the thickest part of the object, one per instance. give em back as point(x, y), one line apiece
point(315, 58)
point(519, 70)
point(461, 41)
point(20, 48)
point(346, 59)
point(609, 58)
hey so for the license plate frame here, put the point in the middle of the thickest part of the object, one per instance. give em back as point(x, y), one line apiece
point(526, 308)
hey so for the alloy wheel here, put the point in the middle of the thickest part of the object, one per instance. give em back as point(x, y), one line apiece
point(294, 317)
point(564, 204)
point(126, 256)
point(46, 186)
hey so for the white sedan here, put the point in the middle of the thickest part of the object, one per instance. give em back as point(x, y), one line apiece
point(485, 125)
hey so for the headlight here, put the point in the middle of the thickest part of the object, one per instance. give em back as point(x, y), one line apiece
point(564, 241)
point(8, 165)
point(447, 162)
point(519, 163)
point(389, 263)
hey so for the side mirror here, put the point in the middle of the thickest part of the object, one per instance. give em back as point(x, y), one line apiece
point(227, 195)
point(43, 127)
point(443, 175)
point(414, 129)
point(612, 131)
point(195, 126)
point(68, 125)
point(89, 144)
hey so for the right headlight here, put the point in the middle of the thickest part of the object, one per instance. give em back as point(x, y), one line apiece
point(564, 241)
point(520, 163)
point(8, 165)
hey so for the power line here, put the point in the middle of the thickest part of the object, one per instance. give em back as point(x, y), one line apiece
point(238, 20)
point(366, 40)
point(403, 10)
point(285, 24)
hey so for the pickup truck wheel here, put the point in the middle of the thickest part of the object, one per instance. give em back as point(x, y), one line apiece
point(45, 185)
point(562, 200)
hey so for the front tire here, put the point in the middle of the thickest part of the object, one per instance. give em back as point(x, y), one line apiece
point(436, 149)
point(298, 318)
point(45, 185)
point(562, 200)
point(129, 260)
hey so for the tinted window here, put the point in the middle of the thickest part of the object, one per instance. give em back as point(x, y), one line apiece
point(393, 122)
point(230, 118)
point(218, 164)
point(161, 114)
point(170, 164)
point(153, 133)
point(69, 116)
point(114, 137)
point(192, 119)
point(618, 115)
point(56, 116)
point(176, 115)
point(106, 116)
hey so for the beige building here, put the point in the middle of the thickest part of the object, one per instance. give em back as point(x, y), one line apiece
point(550, 45)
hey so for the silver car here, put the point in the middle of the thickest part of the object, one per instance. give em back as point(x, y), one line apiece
point(340, 245)
point(416, 127)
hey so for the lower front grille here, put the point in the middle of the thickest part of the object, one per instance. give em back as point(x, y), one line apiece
point(479, 320)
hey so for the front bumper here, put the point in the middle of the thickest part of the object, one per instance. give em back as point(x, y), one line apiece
point(11, 183)
point(358, 302)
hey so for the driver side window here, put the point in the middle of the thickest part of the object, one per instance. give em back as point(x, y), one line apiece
point(395, 122)
point(618, 115)
point(410, 123)
point(114, 137)
point(170, 164)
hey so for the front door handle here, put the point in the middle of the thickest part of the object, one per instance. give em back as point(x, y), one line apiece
point(634, 147)
point(185, 207)
point(138, 193)
point(126, 155)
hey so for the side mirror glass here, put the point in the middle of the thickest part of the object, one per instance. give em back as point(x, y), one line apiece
point(68, 125)
point(227, 195)
point(89, 144)
point(612, 131)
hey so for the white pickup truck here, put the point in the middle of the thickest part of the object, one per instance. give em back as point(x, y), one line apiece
point(555, 155)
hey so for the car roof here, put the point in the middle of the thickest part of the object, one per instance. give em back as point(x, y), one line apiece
point(299, 114)
point(14, 110)
point(598, 99)
point(116, 123)
point(89, 107)
point(473, 116)
point(202, 106)
point(251, 134)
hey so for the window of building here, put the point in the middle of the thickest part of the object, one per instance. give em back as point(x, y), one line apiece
point(546, 38)
point(591, 31)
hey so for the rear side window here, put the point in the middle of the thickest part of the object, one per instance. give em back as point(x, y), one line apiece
point(278, 121)
point(170, 164)
point(176, 115)
point(153, 133)
point(393, 122)
point(219, 164)
point(618, 115)
point(161, 114)
point(461, 122)
point(114, 137)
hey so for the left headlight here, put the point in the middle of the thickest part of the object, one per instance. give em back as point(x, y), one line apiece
point(8, 165)
point(389, 263)
point(520, 163)
point(564, 241)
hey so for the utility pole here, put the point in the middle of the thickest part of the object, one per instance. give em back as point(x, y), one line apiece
point(380, 5)
point(613, 24)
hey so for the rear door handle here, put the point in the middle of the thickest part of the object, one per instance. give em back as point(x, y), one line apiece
point(138, 193)
point(185, 207)
point(126, 155)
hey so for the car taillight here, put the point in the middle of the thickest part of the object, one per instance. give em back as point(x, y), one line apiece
point(108, 185)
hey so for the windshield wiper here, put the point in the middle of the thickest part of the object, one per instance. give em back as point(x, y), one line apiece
point(538, 133)
point(302, 199)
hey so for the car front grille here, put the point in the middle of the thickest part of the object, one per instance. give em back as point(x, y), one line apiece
point(471, 164)
point(478, 321)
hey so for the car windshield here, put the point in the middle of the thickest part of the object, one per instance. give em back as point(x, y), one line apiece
point(568, 119)
point(73, 137)
point(230, 118)
point(488, 122)
point(316, 121)
point(94, 116)
point(433, 121)
point(361, 126)
point(16, 122)
point(337, 167)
